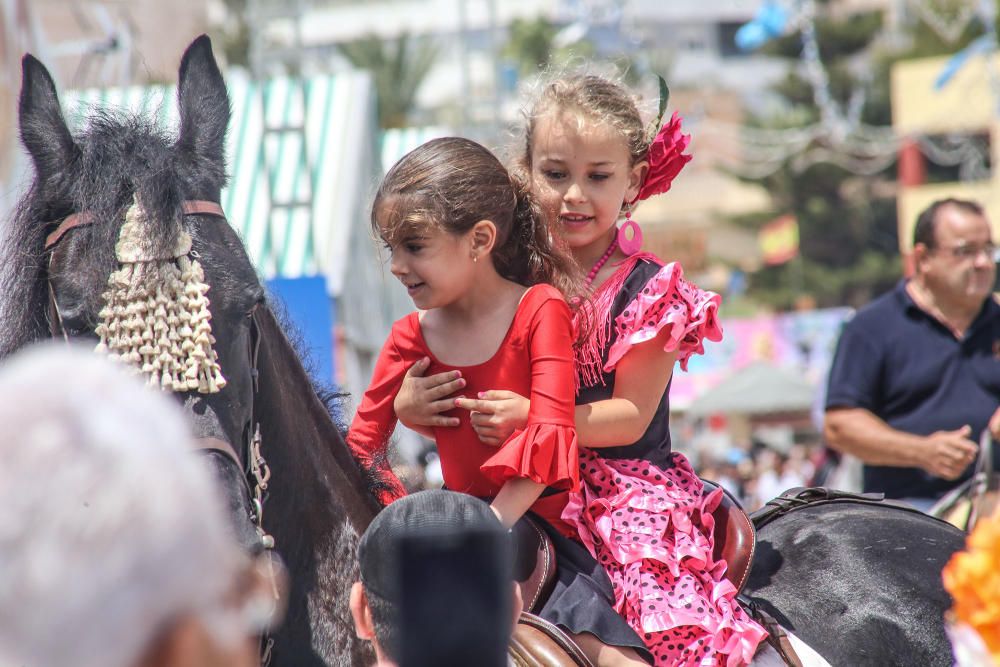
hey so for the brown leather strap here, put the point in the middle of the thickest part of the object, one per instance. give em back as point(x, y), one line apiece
point(75, 220)
point(202, 207)
point(777, 637)
point(537, 642)
point(217, 444)
point(190, 207)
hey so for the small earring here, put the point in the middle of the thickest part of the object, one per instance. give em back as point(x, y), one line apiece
point(475, 257)
point(629, 246)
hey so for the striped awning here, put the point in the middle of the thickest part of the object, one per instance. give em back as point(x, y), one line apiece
point(301, 161)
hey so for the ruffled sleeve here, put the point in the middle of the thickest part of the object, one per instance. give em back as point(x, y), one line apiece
point(546, 450)
point(668, 300)
point(368, 437)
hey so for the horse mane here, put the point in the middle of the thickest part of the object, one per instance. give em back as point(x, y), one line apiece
point(328, 395)
point(23, 290)
point(117, 155)
point(333, 400)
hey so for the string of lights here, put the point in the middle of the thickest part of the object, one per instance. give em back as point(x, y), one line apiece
point(948, 28)
point(839, 137)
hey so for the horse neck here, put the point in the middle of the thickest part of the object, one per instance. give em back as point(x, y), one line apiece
point(301, 442)
point(317, 509)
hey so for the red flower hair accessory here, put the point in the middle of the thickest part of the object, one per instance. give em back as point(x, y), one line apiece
point(666, 159)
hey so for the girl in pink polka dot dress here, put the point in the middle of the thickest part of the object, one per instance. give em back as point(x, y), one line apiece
point(641, 511)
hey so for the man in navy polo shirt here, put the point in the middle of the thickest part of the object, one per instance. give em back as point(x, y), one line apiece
point(916, 376)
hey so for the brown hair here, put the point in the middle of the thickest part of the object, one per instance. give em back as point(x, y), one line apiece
point(593, 97)
point(453, 183)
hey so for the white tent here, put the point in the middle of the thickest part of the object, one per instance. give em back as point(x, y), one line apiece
point(758, 388)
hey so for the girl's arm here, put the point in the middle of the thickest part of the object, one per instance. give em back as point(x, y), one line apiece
point(374, 422)
point(514, 499)
point(642, 377)
point(545, 453)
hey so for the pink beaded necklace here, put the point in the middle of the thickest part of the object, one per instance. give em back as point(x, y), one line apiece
point(601, 262)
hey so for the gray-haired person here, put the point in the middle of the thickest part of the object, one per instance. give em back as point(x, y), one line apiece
point(114, 547)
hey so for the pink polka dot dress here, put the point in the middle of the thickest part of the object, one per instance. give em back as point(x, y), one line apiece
point(641, 510)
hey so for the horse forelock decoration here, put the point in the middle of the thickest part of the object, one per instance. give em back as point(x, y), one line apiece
point(156, 314)
point(120, 240)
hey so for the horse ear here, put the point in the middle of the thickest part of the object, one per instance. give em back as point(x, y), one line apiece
point(203, 102)
point(43, 129)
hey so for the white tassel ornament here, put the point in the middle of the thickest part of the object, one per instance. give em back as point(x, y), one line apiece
point(156, 315)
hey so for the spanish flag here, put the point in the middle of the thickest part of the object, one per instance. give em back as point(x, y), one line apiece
point(779, 240)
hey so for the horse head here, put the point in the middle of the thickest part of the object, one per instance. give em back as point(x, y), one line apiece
point(121, 239)
point(171, 291)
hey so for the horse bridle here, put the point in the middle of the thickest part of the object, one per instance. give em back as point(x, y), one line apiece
point(256, 473)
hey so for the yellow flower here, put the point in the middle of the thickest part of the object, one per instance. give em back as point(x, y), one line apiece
point(973, 579)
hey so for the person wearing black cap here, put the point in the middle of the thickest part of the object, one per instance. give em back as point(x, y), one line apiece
point(436, 585)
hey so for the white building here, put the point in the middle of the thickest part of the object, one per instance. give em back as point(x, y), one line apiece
point(473, 85)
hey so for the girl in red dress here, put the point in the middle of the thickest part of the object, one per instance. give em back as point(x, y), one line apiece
point(469, 244)
point(641, 510)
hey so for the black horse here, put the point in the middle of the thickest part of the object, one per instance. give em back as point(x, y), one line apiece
point(320, 502)
point(859, 582)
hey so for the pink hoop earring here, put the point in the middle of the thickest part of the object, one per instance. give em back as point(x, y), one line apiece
point(629, 246)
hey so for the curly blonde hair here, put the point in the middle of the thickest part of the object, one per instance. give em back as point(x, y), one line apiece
point(592, 97)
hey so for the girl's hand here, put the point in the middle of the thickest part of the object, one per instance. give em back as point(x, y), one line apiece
point(421, 400)
point(496, 414)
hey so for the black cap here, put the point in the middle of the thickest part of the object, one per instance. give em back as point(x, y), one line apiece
point(422, 514)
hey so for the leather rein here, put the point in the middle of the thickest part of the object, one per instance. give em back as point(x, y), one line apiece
point(256, 473)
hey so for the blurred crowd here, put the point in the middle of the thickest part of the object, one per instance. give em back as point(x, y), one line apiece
point(753, 477)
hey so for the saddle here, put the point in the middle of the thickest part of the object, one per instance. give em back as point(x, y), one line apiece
point(799, 497)
point(538, 643)
point(734, 536)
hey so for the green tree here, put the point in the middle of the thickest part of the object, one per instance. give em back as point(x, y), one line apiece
point(398, 67)
point(234, 34)
point(531, 45)
point(847, 221)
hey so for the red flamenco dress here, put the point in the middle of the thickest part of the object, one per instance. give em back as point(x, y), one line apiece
point(535, 359)
point(641, 510)
point(545, 451)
